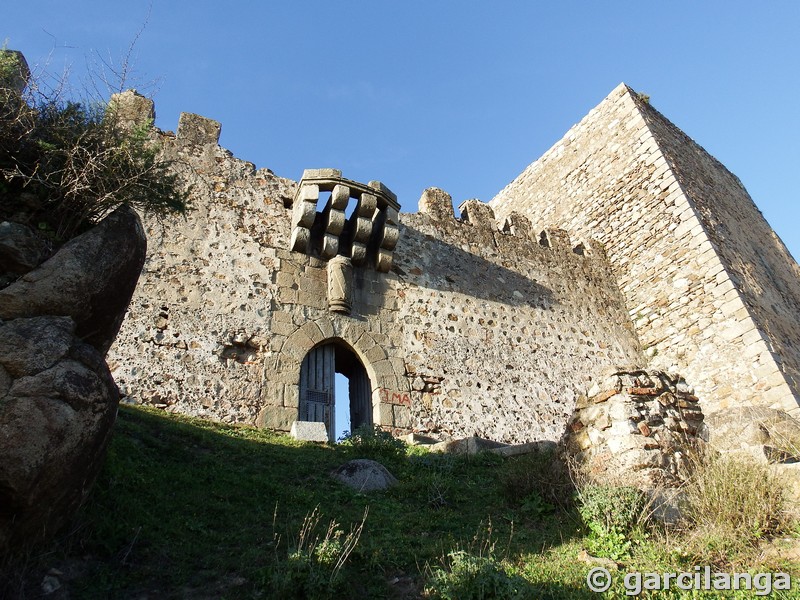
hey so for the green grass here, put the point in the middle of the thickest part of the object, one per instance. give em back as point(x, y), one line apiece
point(190, 509)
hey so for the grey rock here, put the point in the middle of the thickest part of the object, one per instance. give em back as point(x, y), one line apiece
point(68, 380)
point(437, 203)
point(529, 448)
point(769, 435)
point(55, 419)
point(33, 345)
point(19, 80)
point(416, 439)
point(364, 475)
point(20, 249)
point(131, 109)
point(665, 505)
point(91, 279)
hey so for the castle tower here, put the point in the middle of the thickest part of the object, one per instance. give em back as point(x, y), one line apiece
point(710, 287)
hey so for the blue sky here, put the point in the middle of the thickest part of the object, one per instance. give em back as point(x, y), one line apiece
point(456, 94)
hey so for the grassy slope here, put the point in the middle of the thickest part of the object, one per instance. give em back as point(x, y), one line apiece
point(190, 509)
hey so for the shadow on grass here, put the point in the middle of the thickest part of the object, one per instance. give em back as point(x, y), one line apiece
point(190, 509)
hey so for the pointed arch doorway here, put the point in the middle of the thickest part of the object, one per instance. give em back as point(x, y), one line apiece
point(318, 387)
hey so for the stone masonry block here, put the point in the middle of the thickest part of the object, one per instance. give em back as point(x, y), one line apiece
point(291, 396)
point(391, 216)
point(298, 344)
point(437, 204)
point(362, 230)
point(383, 261)
point(314, 333)
point(375, 354)
point(385, 415)
point(336, 219)
point(309, 431)
point(330, 246)
point(358, 253)
point(198, 130)
point(364, 343)
point(308, 192)
point(402, 416)
point(377, 185)
point(322, 174)
point(304, 213)
point(366, 206)
point(340, 197)
point(300, 239)
point(325, 327)
point(276, 417)
point(478, 213)
point(312, 300)
point(389, 237)
point(282, 328)
point(383, 371)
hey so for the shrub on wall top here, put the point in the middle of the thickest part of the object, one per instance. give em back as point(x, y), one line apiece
point(65, 164)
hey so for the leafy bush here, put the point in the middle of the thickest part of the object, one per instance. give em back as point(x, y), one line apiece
point(535, 506)
point(612, 514)
point(466, 577)
point(475, 574)
point(372, 442)
point(65, 164)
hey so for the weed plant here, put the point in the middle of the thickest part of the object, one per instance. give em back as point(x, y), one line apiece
point(312, 567)
point(475, 573)
point(614, 515)
point(731, 503)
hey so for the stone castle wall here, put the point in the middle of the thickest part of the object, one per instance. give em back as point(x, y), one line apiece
point(479, 327)
point(755, 259)
point(709, 286)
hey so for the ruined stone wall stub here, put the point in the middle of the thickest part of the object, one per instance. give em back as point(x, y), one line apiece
point(476, 329)
point(608, 178)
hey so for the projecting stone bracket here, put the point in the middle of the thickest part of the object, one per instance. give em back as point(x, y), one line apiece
point(369, 236)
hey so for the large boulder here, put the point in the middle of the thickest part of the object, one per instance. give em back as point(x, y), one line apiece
point(91, 279)
point(364, 475)
point(58, 400)
point(57, 407)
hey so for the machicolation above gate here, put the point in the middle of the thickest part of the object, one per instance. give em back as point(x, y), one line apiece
point(368, 236)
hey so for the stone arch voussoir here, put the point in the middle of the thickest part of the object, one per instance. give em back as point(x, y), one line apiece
point(386, 382)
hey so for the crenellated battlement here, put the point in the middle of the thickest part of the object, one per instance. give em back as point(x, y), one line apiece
point(477, 224)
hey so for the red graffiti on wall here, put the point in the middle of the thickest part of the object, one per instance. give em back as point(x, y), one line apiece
point(390, 397)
